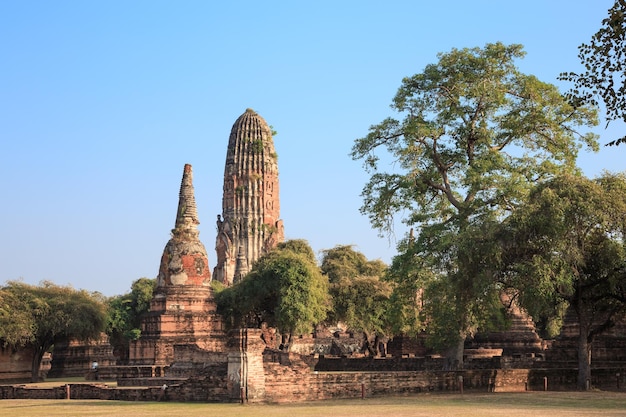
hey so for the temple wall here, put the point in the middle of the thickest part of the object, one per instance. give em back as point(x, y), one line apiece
point(74, 358)
point(249, 373)
point(285, 384)
point(15, 364)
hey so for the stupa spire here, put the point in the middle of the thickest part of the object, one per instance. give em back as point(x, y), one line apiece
point(184, 260)
point(187, 214)
point(183, 310)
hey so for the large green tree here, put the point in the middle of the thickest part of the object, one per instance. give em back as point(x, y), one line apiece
point(474, 135)
point(39, 316)
point(604, 59)
point(360, 296)
point(284, 289)
point(567, 249)
point(124, 315)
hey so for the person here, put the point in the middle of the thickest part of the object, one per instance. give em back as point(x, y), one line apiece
point(94, 368)
point(163, 391)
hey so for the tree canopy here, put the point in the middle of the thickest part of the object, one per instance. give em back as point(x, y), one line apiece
point(40, 316)
point(567, 250)
point(360, 296)
point(604, 59)
point(284, 289)
point(124, 315)
point(475, 134)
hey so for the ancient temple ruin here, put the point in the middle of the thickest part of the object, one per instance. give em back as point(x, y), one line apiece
point(184, 343)
point(250, 224)
point(183, 310)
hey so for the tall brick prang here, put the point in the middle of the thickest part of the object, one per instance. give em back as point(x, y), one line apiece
point(250, 224)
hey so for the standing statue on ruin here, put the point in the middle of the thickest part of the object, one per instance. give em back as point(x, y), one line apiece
point(250, 224)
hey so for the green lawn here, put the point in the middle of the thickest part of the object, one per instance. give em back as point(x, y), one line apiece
point(533, 404)
point(59, 382)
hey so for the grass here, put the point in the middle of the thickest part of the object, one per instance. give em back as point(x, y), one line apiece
point(54, 382)
point(534, 404)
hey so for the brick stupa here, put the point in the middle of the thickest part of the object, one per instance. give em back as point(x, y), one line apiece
point(182, 310)
point(250, 224)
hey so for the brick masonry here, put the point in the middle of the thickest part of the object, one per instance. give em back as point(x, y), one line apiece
point(250, 224)
point(249, 373)
point(291, 385)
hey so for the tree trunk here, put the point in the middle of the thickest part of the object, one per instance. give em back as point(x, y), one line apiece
point(287, 342)
point(370, 347)
point(38, 352)
point(584, 358)
point(454, 355)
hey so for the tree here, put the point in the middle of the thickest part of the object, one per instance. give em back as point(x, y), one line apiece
point(40, 316)
point(124, 315)
point(604, 58)
point(567, 249)
point(285, 289)
point(476, 134)
point(360, 297)
point(299, 246)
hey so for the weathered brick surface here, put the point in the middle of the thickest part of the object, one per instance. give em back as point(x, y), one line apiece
point(298, 382)
point(250, 223)
point(295, 381)
point(73, 358)
point(387, 364)
point(183, 310)
point(15, 364)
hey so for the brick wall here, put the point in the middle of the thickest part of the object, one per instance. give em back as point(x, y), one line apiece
point(249, 374)
point(297, 382)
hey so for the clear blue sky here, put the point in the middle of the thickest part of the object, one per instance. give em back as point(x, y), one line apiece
point(103, 102)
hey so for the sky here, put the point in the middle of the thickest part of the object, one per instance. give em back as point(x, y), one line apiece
point(102, 103)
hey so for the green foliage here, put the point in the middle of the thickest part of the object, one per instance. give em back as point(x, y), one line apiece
point(604, 58)
point(475, 135)
point(284, 289)
point(217, 286)
point(567, 242)
point(360, 297)
point(40, 316)
point(47, 313)
point(257, 146)
point(409, 276)
point(124, 315)
point(299, 246)
point(17, 320)
point(567, 249)
point(343, 262)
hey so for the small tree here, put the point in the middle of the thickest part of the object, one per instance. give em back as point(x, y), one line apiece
point(360, 297)
point(40, 316)
point(285, 289)
point(299, 246)
point(124, 315)
point(604, 58)
point(566, 248)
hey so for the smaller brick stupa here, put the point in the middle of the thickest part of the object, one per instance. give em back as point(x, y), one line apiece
point(183, 310)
